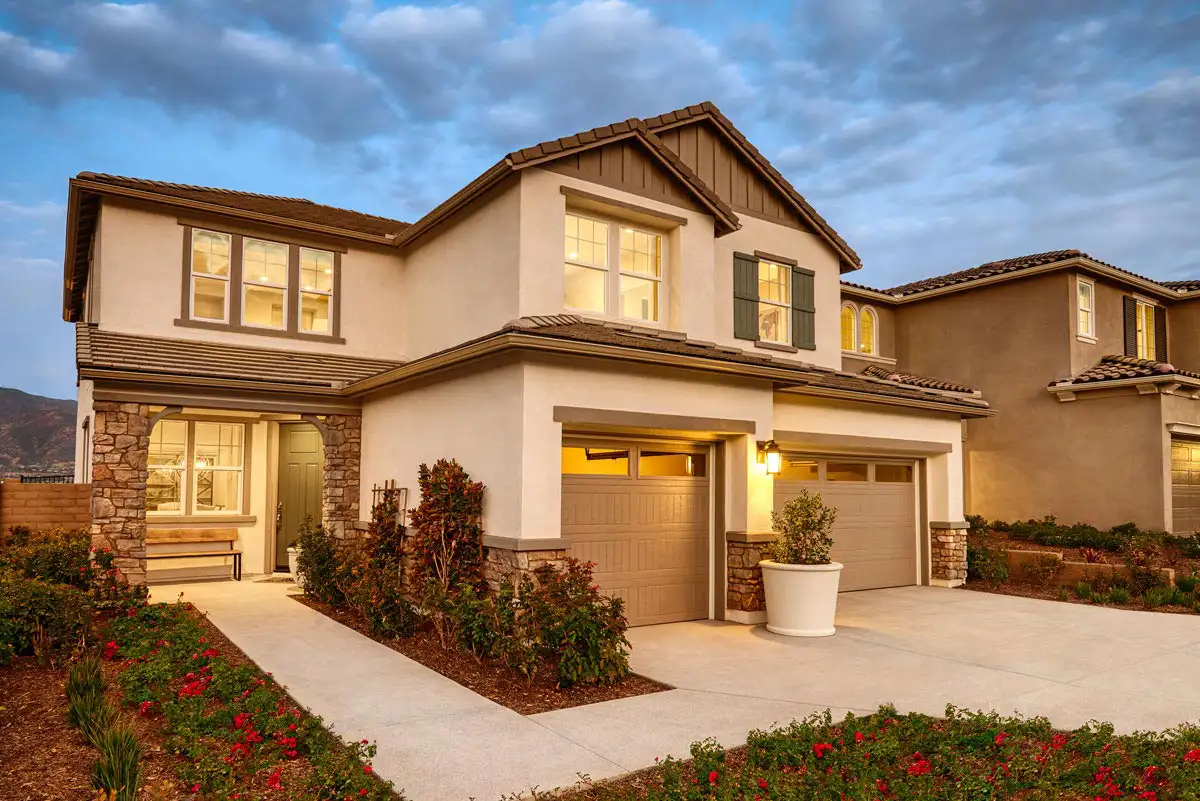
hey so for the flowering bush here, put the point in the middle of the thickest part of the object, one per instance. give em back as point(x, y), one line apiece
point(57, 557)
point(447, 546)
point(966, 755)
point(803, 525)
point(40, 617)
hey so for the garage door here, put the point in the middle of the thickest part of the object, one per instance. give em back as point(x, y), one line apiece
point(875, 534)
point(1185, 486)
point(640, 512)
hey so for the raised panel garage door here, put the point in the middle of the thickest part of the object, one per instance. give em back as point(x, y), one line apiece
point(1185, 486)
point(875, 535)
point(641, 513)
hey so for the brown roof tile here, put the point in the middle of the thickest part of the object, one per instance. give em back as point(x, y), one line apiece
point(877, 371)
point(1114, 367)
point(710, 109)
point(292, 208)
point(98, 349)
point(1186, 285)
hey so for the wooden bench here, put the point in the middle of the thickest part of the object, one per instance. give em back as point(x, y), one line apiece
point(176, 536)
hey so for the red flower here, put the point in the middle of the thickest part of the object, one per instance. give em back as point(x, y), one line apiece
point(1148, 795)
point(881, 786)
point(712, 777)
point(241, 719)
point(209, 652)
point(1192, 756)
point(366, 768)
point(195, 788)
point(1000, 738)
point(762, 784)
point(110, 650)
point(919, 768)
point(821, 749)
point(144, 708)
point(858, 737)
point(275, 780)
point(1058, 741)
point(363, 791)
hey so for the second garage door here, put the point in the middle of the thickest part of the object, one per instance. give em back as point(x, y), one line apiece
point(640, 511)
point(875, 536)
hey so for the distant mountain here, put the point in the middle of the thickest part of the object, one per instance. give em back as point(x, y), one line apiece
point(36, 434)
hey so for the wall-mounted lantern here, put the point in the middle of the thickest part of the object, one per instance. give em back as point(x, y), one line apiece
point(770, 455)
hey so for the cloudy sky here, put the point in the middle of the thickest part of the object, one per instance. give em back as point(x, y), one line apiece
point(933, 135)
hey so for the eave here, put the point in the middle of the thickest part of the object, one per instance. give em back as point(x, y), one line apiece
point(1166, 384)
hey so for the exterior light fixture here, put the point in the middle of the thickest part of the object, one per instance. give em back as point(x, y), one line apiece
point(770, 455)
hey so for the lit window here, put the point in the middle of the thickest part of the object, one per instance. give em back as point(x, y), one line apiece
point(849, 328)
point(641, 274)
point(206, 458)
point(845, 471)
point(893, 474)
point(166, 462)
point(217, 473)
point(774, 303)
point(867, 324)
point(316, 290)
point(586, 269)
point(595, 461)
point(210, 276)
point(671, 464)
point(264, 283)
point(1085, 304)
point(1145, 331)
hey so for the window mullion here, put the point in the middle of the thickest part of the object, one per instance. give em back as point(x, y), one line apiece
point(189, 466)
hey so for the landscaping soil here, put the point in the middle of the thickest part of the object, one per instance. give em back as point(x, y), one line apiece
point(490, 678)
point(42, 758)
point(1167, 556)
point(1026, 590)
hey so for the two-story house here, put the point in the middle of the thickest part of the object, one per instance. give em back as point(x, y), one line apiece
point(1096, 372)
point(630, 335)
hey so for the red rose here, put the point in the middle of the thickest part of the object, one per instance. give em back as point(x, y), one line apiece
point(919, 768)
point(1000, 738)
point(858, 737)
point(1192, 756)
point(762, 784)
point(366, 768)
point(821, 749)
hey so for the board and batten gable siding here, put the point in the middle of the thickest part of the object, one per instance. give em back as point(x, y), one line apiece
point(627, 166)
point(138, 274)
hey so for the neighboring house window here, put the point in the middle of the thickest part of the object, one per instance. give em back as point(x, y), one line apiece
point(316, 290)
point(195, 467)
point(255, 285)
point(1085, 302)
point(210, 276)
point(774, 303)
point(1145, 331)
point(264, 283)
point(859, 329)
point(586, 271)
point(849, 327)
point(634, 289)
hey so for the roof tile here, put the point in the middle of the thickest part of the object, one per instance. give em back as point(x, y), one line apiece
point(878, 371)
point(1114, 367)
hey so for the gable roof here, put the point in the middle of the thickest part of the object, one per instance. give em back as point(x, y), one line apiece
point(1016, 267)
point(708, 110)
point(1115, 368)
point(878, 371)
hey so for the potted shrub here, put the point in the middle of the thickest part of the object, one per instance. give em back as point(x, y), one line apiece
point(800, 581)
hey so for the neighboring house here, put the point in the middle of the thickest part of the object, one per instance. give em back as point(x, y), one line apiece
point(602, 328)
point(1095, 372)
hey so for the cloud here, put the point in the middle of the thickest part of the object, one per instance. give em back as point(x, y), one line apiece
point(31, 70)
point(45, 210)
point(1164, 118)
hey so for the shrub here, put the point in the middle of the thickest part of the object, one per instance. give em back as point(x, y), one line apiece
point(317, 562)
point(1048, 531)
point(57, 557)
point(1063, 595)
point(1188, 546)
point(376, 591)
point(1083, 590)
point(1091, 555)
point(1118, 595)
point(93, 715)
point(986, 560)
point(84, 678)
point(581, 629)
point(1043, 569)
point(1186, 583)
point(475, 623)
point(447, 546)
point(38, 617)
point(803, 526)
point(118, 773)
point(1139, 556)
point(1157, 596)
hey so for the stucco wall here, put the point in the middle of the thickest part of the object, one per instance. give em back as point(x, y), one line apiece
point(1183, 323)
point(1110, 323)
point(83, 438)
point(139, 285)
point(461, 282)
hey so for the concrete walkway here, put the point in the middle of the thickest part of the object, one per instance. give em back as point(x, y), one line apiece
point(917, 647)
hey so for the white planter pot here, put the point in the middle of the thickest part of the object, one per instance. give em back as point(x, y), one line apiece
point(801, 599)
point(293, 558)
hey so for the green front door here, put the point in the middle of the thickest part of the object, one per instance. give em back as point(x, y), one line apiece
point(301, 455)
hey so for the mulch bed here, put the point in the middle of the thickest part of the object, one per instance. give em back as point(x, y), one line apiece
point(1165, 558)
point(43, 758)
point(1026, 590)
point(489, 678)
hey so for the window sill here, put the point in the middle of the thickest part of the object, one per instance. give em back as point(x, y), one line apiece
point(867, 357)
point(262, 332)
point(779, 346)
point(1087, 339)
point(153, 520)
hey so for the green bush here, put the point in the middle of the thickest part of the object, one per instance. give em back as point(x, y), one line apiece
point(57, 557)
point(84, 678)
point(1157, 596)
point(986, 560)
point(318, 563)
point(38, 617)
point(447, 546)
point(476, 626)
point(1083, 591)
point(93, 714)
point(803, 525)
point(1186, 583)
point(1048, 531)
point(118, 772)
point(1119, 596)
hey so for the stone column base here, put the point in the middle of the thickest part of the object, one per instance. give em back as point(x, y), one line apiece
point(948, 553)
point(745, 601)
point(508, 556)
point(951, 583)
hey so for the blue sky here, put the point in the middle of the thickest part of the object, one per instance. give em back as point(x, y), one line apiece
point(933, 135)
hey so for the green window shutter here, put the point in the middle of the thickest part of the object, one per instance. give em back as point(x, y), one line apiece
point(1160, 334)
point(1130, 326)
point(745, 296)
point(804, 309)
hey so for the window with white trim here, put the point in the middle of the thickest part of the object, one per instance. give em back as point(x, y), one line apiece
point(774, 302)
point(1145, 331)
point(631, 291)
point(195, 467)
point(210, 276)
point(860, 329)
point(264, 283)
point(316, 290)
point(849, 327)
point(1085, 308)
point(867, 326)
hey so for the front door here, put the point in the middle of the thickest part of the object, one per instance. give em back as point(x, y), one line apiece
point(301, 454)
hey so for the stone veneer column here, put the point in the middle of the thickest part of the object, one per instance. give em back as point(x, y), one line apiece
point(340, 487)
point(948, 553)
point(745, 601)
point(120, 442)
point(506, 556)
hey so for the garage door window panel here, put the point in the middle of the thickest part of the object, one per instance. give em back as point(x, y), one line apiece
point(671, 464)
point(800, 469)
point(893, 473)
point(595, 460)
point(846, 471)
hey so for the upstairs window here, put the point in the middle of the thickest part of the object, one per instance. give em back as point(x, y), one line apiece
point(1085, 308)
point(859, 330)
point(849, 327)
point(634, 289)
point(264, 283)
point(316, 290)
point(1145, 331)
point(210, 276)
point(774, 303)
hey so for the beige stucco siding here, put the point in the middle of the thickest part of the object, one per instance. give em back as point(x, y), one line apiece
point(1183, 321)
point(83, 437)
point(138, 277)
point(461, 281)
point(1110, 322)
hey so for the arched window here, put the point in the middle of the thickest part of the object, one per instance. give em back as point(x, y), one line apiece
point(849, 327)
point(867, 331)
